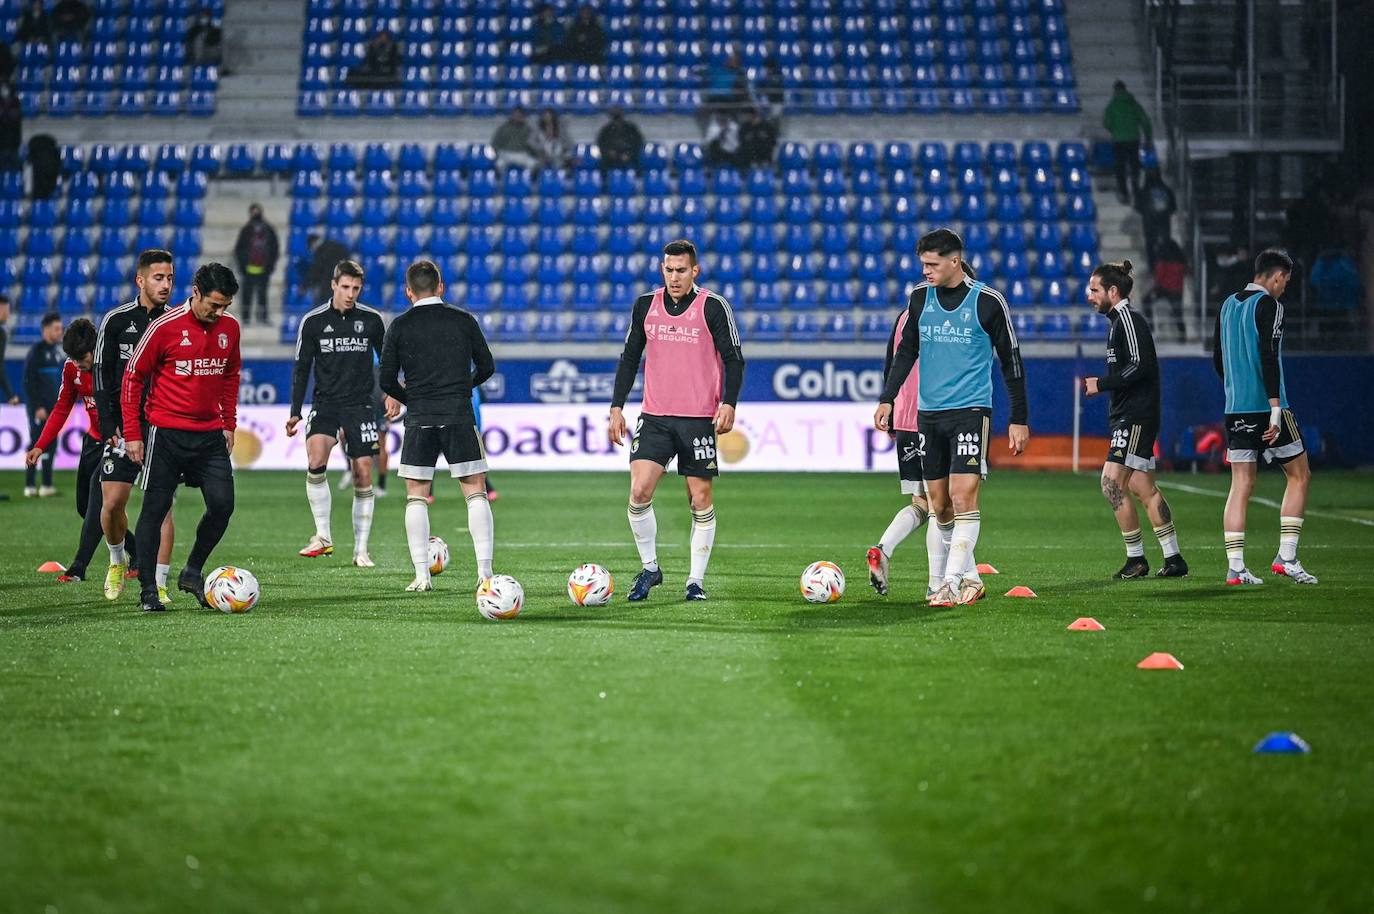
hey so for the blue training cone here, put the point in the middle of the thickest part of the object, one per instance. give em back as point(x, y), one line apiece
point(1283, 742)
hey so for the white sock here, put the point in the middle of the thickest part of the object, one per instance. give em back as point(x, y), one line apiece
point(971, 569)
point(162, 572)
point(904, 523)
point(1168, 539)
point(1135, 544)
point(317, 493)
point(1235, 550)
point(482, 529)
point(962, 541)
point(363, 503)
point(703, 538)
point(1290, 529)
point(937, 551)
point(118, 555)
point(644, 526)
point(417, 535)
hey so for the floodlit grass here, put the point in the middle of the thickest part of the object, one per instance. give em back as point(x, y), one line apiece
point(349, 747)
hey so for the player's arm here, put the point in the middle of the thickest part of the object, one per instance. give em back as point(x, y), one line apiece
point(627, 368)
point(66, 399)
point(300, 372)
point(146, 356)
point(229, 396)
point(995, 317)
point(1269, 325)
point(908, 350)
point(105, 377)
point(720, 319)
point(389, 372)
point(6, 392)
point(483, 364)
point(1217, 362)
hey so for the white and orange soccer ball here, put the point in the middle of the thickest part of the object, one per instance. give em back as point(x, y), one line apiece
point(590, 585)
point(438, 555)
point(231, 590)
point(822, 582)
point(500, 597)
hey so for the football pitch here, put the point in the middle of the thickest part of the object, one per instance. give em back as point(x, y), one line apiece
point(350, 747)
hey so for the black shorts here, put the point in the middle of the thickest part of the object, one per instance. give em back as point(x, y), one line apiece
point(460, 445)
point(909, 463)
point(115, 466)
point(172, 456)
point(356, 426)
point(688, 439)
point(954, 441)
point(86, 469)
point(1245, 438)
point(1132, 443)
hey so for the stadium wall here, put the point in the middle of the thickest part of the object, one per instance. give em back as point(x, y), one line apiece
point(795, 414)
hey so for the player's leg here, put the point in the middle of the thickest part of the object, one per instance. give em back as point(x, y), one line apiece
point(213, 472)
point(968, 466)
point(162, 459)
point(703, 537)
point(906, 521)
point(1116, 488)
point(164, 556)
point(1146, 490)
point(467, 462)
point(364, 502)
point(644, 479)
point(419, 452)
point(319, 441)
point(1298, 473)
point(1243, 475)
point(88, 505)
point(114, 520)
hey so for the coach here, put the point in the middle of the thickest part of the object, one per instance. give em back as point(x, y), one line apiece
point(188, 364)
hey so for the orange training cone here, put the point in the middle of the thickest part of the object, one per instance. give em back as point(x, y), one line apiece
point(1086, 624)
point(52, 568)
point(985, 568)
point(1159, 661)
point(1020, 591)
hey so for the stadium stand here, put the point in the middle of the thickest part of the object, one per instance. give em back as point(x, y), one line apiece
point(834, 56)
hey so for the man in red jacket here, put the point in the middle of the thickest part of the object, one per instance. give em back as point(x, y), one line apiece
point(78, 342)
point(188, 363)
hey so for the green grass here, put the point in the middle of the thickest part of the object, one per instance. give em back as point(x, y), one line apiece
point(349, 747)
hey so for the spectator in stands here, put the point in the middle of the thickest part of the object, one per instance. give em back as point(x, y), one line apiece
point(34, 25)
point(1127, 122)
point(620, 142)
point(42, 380)
point(514, 142)
point(586, 41)
point(69, 20)
point(11, 128)
point(770, 93)
point(381, 66)
point(205, 40)
point(726, 88)
point(758, 140)
point(325, 254)
point(547, 39)
point(1170, 270)
point(1156, 203)
point(256, 251)
point(550, 141)
point(1234, 270)
point(7, 394)
point(722, 142)
point(1337, 288)
point(45, 166)
point(1308, 225)
point(7, 63)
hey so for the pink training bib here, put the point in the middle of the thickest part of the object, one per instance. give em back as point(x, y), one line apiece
point(682, 369)
point(904, 407)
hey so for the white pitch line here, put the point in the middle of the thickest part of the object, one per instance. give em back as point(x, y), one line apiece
point(1268, 502)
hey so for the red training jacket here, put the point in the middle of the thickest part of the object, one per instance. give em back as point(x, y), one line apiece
point(190, 371)
point(75, 383)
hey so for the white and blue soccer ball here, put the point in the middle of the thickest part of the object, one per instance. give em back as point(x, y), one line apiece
point(590, 585)
point(500, 597)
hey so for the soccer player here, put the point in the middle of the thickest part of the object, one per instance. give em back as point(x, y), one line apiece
point(911, 517)
point(339, 339)
point(955, 324)
point(188, 364)
point(120, 332)
point(1133, 382)
point(443, 354)
point(1248, 355)
point(42, 378)
point(78, 342)
point(693, 371)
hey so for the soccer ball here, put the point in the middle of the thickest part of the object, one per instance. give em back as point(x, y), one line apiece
point(438, 555)
point(500, 597)
point(822, 582)
point(590, 585)
point(231, 590)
